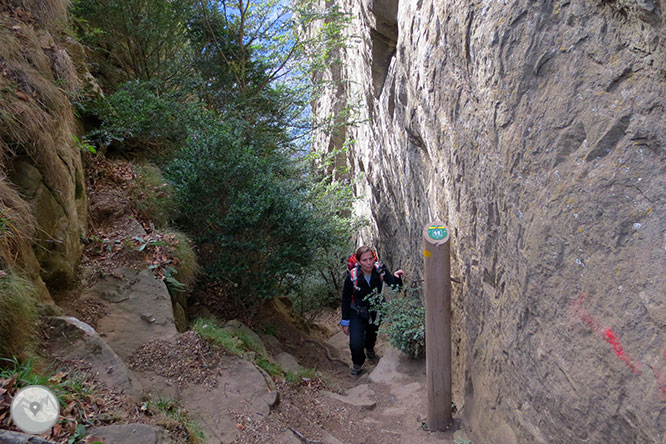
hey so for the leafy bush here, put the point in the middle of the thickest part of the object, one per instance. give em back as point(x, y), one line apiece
point(403, 320)
point(259, 216)
point(312, 296)
point(249, 214)
point(145, 116)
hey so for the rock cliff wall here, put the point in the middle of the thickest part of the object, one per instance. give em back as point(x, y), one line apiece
point(41, 171)
point(537, 131)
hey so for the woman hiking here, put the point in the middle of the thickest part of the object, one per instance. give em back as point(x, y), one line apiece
point(366, 277)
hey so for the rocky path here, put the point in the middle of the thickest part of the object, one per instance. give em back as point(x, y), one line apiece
point(386, 404)
point(137, 350)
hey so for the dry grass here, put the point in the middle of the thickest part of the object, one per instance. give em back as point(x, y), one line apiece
point(152, 195)
point(36, 125)
point(35, 115)
point(16, 228)
point(187, 266)
point(19, 316)
point(51, 14)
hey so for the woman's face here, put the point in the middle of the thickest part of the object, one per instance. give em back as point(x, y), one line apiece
point(367, 261)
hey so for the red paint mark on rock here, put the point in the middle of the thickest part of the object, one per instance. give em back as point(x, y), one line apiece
point(609, 335)
point(613, 340)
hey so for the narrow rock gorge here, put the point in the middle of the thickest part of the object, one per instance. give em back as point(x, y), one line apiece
point(536, 131)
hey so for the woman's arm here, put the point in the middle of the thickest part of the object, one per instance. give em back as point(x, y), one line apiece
point(394, 279)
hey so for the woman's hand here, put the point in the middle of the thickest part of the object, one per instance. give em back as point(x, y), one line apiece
point(346, 330)
point(398, 273)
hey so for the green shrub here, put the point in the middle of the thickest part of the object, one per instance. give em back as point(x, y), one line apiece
point(18, 315)
point(320, 284)
point(403, 320)
point(145, 116)
point(249, 215)
point(313, 295)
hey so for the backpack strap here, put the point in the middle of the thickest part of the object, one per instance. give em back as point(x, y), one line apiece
point(353, 276)
point(380, 270)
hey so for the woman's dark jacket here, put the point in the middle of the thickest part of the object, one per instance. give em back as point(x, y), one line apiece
point(364, 289)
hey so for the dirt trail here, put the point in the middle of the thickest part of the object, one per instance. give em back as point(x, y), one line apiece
point(384, 405)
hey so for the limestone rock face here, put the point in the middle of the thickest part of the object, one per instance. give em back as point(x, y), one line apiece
point(536, 131)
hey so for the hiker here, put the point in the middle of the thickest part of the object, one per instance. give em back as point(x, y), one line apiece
point(366, 275)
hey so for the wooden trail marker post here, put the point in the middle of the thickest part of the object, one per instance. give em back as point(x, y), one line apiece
point(437, 287)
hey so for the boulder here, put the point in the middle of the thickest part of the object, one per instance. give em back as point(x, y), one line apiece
point(8, 437)
point(272, 344)
point(139, 309)
point(238, 328)
point(70, 338)
point(288, 362)
point(240, 388)
point(360, 396)
point(395, 367)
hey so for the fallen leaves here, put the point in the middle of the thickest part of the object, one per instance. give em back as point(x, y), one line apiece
point(85, 403)
point(191, 359)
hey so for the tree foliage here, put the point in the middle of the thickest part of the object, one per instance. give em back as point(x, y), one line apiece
point(250, 214)
point(270, 52)
point(222, 87)
point(145, 116)
point(136, 39)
